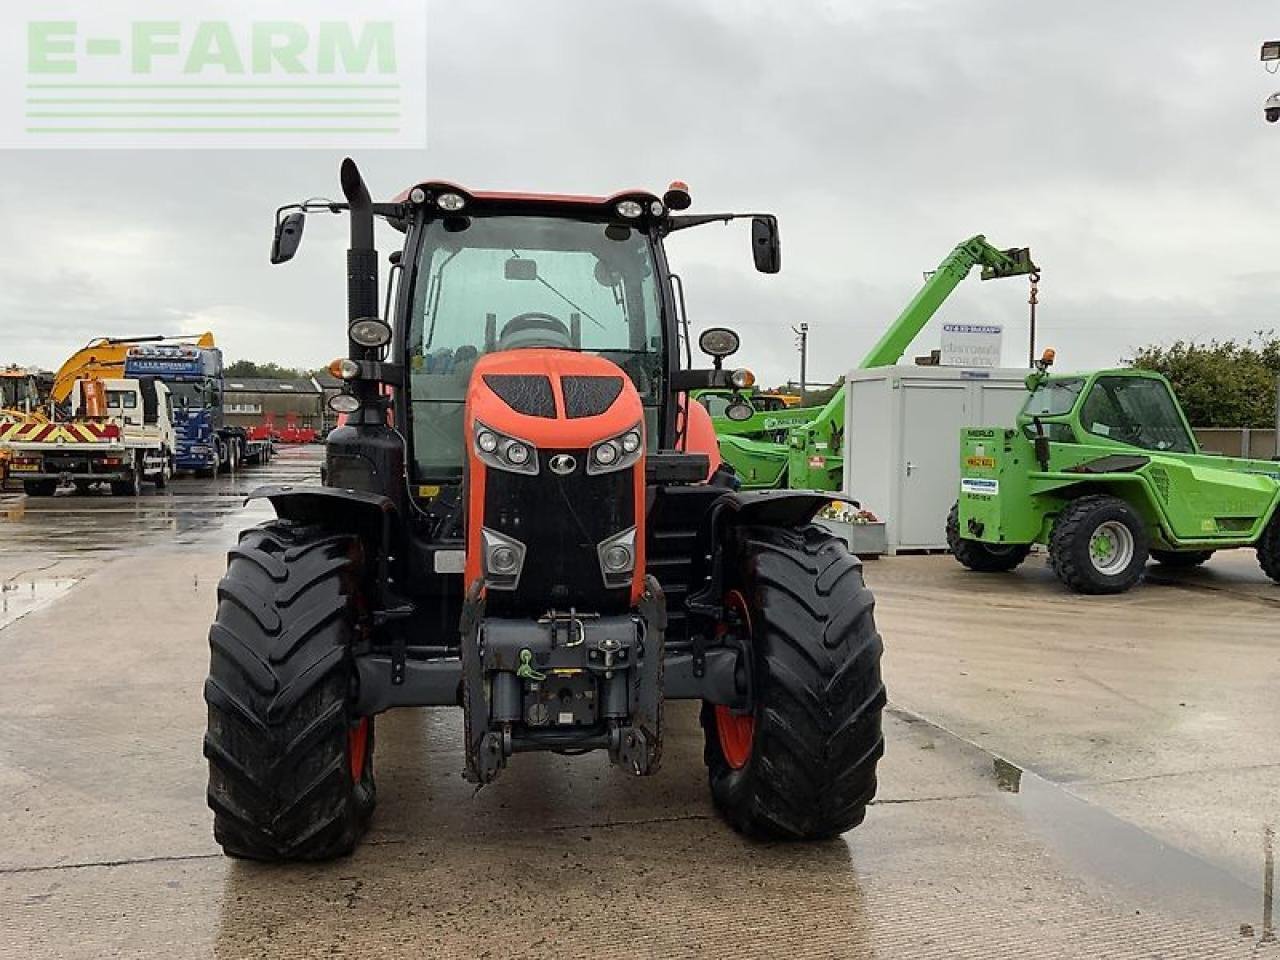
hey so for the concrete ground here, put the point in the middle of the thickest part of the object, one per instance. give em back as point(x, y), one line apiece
point(1065, 777)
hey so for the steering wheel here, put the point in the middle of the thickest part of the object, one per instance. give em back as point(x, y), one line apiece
point(534, 329)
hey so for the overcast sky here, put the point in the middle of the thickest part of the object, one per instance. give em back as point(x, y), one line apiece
point(1123, 142)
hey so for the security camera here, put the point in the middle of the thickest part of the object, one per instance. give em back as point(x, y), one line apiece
point(1271, 109)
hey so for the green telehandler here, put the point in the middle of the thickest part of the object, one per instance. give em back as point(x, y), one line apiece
point(810, 455)
point(1104, 469)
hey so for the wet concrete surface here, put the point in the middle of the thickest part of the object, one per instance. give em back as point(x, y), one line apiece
point(1065, 777)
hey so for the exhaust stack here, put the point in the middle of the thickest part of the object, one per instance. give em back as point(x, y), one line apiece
point(362, 258)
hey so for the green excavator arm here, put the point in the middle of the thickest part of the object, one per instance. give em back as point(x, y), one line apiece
point(814, 452)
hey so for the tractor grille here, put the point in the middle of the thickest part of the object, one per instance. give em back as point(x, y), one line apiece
point(589, 396)
point(561, 520)
point(529, 394)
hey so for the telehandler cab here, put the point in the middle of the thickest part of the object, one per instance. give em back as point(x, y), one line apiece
point(523, 515)
point(1103, 468)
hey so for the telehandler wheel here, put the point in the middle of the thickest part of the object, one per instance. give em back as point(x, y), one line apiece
point(39, 488)
point(290, 765)
point(1269, 549)
point(1099, 545)
point(1181, 558)
point(802, 764)
point(979, 556)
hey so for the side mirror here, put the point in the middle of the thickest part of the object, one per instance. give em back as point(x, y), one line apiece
point(765, 245)
point(739, 410)
point(288, 236)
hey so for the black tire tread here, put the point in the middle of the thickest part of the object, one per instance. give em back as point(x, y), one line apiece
point(818, 738)
point(278, 694)
point(1069, 525)
point(978, 556)
point(1269, 548)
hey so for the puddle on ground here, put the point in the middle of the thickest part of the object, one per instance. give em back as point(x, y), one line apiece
point(20, 597)
point(1097, 843)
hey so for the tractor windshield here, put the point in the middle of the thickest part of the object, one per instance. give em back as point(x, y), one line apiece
point(498, 283)
point(1139, 411)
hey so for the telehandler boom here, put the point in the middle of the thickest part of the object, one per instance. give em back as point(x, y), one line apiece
point(812, 456)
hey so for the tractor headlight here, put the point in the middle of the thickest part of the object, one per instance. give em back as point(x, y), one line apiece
point(616, 453)
point(605, 454)
point(370, 332)
point(497, 450)
point(451, 202)
point(517, 453)
point(629, 209)
point(618, 558)
point(503, 559)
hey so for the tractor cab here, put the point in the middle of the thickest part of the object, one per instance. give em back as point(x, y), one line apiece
point(1122, 408)
point(532, 278)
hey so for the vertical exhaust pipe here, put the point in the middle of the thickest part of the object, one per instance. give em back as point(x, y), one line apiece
point(362, 258)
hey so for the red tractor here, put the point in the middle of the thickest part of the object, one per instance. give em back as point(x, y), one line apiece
point(523, 516)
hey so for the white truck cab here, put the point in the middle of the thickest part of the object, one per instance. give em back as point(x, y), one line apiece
point(120, 432)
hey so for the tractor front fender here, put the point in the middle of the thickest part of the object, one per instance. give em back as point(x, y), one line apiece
point(771, 508)
point(780, 508)
point(369, 516)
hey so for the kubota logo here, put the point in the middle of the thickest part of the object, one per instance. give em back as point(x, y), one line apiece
point(563, 464)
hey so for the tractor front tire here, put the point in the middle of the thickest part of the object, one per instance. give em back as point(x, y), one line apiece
point(290, 765)
point(979, 556)
point(801, 765)
point(1182, 559)
point(1099, 545)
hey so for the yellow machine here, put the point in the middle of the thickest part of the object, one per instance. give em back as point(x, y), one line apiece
point(20, 402)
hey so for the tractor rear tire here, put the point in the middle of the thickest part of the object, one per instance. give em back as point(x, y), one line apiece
point(290, 765)
point(1099, 545)
point(802, 764)
point(979, 556)
point(1183, 559)
point(1269, 549)
point(39, 488)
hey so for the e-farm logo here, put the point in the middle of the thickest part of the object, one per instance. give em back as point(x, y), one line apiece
point(278, 73)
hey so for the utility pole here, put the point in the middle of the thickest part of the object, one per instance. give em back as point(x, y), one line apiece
point(802, 344)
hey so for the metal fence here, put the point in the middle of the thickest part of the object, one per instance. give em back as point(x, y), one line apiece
point(1256, 443)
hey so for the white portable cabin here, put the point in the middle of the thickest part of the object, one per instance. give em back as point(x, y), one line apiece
point(902, 441)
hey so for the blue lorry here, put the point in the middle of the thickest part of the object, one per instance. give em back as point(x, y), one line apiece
point(194, 376)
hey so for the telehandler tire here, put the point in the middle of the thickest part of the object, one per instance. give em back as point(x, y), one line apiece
point(1269, 549)
point(979, 556)
point(802, 764)
point(1099, 545)
point(290, 765)
point(1182, 559)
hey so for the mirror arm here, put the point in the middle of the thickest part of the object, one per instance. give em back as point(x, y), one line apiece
point(681, 381)
point(684, 221)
